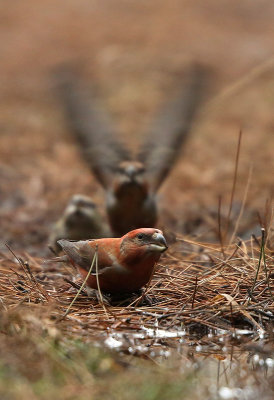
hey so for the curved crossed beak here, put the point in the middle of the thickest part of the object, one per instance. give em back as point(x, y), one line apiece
point(159, 243)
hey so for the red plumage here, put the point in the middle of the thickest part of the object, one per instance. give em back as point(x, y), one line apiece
point(124, 264)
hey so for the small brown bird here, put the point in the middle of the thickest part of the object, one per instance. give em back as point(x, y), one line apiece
point(124, 264)
point(81, 220)
point(131, 184)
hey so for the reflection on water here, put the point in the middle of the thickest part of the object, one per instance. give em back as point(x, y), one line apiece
point(235, 366)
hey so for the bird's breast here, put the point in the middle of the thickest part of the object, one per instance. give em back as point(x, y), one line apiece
point(122, 279)
point(130, 212)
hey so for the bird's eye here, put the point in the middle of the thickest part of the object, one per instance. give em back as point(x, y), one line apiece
point(140, 236)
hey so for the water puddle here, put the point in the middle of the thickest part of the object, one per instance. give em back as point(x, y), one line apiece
point(236, 366)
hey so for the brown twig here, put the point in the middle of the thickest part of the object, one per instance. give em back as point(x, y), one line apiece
point(234, 182)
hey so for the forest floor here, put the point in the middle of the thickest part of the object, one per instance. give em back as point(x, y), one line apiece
point(208, 338)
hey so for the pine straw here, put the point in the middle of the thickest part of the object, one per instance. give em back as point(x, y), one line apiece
point(195, 286)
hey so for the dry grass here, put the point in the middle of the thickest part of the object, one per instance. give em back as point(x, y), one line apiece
point(196, 285)
point(210, 317)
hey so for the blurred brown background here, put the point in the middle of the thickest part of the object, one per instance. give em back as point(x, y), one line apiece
point(135, 52)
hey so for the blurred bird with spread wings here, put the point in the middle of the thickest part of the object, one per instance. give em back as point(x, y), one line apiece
point(131, 184)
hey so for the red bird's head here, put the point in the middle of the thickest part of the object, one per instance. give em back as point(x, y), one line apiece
point(143, 243)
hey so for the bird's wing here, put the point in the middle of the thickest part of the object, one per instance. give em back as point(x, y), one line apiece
point(82, 254)
point(172, 126)
point(91, 127)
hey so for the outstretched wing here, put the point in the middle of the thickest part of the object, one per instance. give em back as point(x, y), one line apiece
point(91, 127)
point(172, 126)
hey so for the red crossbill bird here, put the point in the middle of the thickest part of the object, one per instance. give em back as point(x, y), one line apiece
point(131, 184)
point(80, 220)
point(125, 264)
